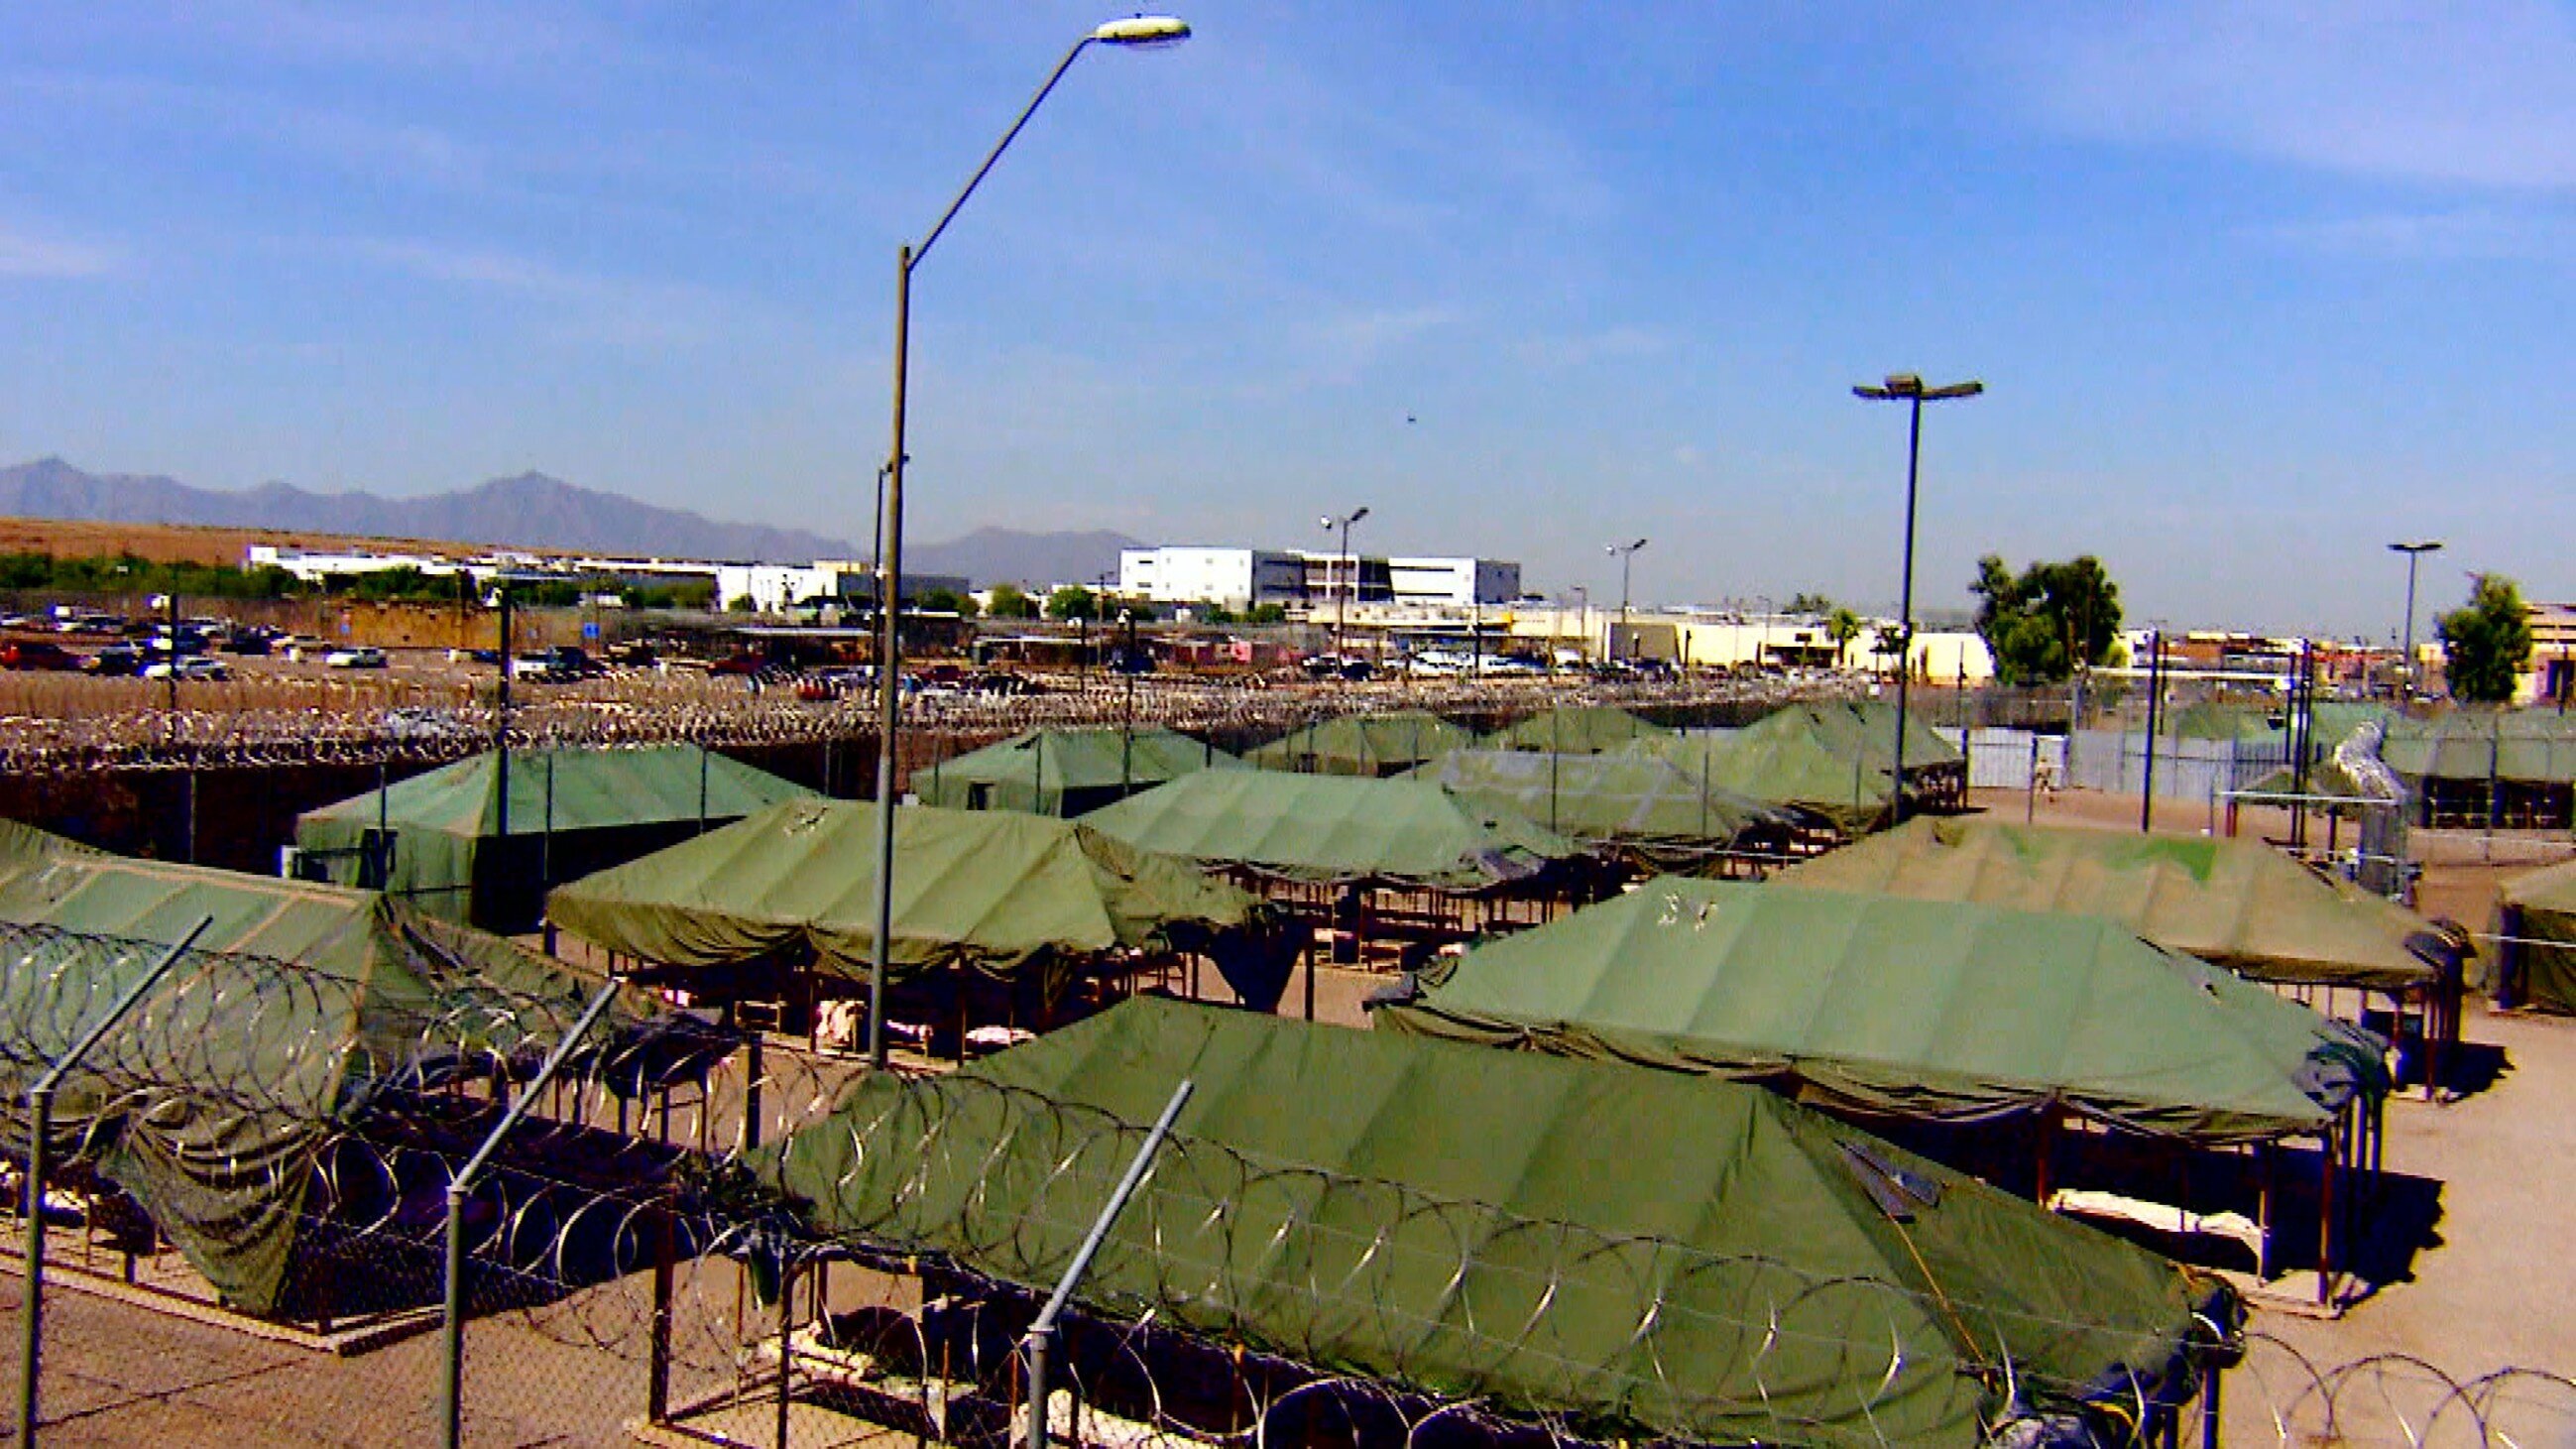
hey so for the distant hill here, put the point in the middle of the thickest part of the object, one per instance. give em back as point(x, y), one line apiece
point(991, 556)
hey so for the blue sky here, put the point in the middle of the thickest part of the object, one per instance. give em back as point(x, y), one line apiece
point(2255, 288)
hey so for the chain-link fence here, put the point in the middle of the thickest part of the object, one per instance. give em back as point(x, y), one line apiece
point(261, 1171)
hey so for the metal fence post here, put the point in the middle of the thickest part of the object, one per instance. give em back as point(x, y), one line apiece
point(1042, 1329)
point(452, 1360)
point(40, 1122)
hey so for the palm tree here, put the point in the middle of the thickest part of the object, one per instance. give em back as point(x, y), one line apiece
point(1843, 626)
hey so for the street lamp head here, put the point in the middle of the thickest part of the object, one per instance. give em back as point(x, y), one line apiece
point(1640, 543)
point(1904, 384)
point(1142, 32)
point(2424, 545)
point(1359, 513)
point(1326, 521)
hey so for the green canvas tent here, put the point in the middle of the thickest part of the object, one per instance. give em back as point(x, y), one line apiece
point(460, 849)
point(1363, 744)
point(302, 1005)
point(1623, 1255)
point(2236, 903)
point(2536, 963)
point(1065, 772)
point(990, 891)
point(1335, 828)
point(1640, 805)
point(2509, 768)
point(1881, 1006)
point(1790, 768)
point(1575, 730)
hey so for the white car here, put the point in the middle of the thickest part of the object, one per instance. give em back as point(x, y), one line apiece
point(194, 667)
point(364, 656)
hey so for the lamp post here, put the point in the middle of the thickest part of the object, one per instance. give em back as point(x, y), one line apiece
point(1141, 31)
point(2414, 552)
point(1350, 565)
point(1762, 650)
point(1908, 388)
point(1626, 553)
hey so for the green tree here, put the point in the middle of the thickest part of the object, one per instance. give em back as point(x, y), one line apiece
point(2486, 642)
point(948, 601)
point(1073, 602)
point(1815, 606)
point(1216, 614)
point(2041, 624)
point(1010, 603)
point(1842, 626)
point(1267, 614)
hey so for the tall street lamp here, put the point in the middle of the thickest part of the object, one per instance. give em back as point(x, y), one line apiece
point(2414, 552)
point(1350, 568)
point(1626, 553)
point(1142, 31)
point(1908, 388)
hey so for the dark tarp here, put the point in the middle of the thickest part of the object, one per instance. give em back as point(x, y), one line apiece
point(570, 811)
point(2237, 903)
point(1365, 744)
point(1636, 1255)
point(1335, 828)
point(1065, 772)
point(989, 890)
point(1902, 1008)
point(209, 1105)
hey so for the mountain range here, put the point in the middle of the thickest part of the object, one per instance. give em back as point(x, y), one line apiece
point(531, 511)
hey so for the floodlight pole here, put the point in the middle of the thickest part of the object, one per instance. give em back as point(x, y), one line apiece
point(1041, 1334)
point(1139, 31)
point(1627, 554)
point(1909, 388)
point(40, 1124)
point(2414, 552)
point(1350, 568)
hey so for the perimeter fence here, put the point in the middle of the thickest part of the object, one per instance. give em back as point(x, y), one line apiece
point(701, 1240)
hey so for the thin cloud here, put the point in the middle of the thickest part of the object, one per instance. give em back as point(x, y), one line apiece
point(2413, 90)
point(2473, 235)
point(31, 256)
point(591, 306)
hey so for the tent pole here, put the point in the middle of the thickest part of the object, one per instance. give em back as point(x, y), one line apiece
point(40, 1123)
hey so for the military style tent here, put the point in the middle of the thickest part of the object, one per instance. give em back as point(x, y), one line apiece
point(458, 844)
point(1638, 807)
point(1368, 744)
point(991, 891)
point(1790, 768)
point(1332, 829)
point(1881, 1006)
point(1627, 1255)
point(1065, 772)
point(2536, 964)
point(2503, 767)
point(303, 1007)
point(1576, 730)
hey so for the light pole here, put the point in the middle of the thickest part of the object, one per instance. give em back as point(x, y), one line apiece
point(1626, 553)
point(1138, 32)
point(2414, 552)
point(1762, 650)
point(1350, 565)
point(1906, 387)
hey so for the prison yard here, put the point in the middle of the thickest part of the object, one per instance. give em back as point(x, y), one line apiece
point(1243, 1051)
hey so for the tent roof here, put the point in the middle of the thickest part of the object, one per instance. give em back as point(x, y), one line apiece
point(2520, 746)
point(1793, 768)
point(1576, 730)
point(1597, 797)
point(1862, 727)
point(2238, 903)
point(1082, 759)
point(1909, 1009)
point(1334, 827)
point(209, 1113)
point(2552, 889)
point(1643, 1254)
point(975, 887)
point(1365, 744)
point(591, 788)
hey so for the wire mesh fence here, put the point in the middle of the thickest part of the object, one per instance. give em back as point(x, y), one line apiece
point(701, 1238)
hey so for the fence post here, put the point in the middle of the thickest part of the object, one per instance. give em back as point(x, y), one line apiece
point(40, 1122)
point(452, 1360)
point(1042, 1329)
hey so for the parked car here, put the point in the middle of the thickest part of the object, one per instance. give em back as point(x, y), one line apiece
point(363, 656)
point(116, 660)
point(195, 666)
point(37, 654)
point(248, 641)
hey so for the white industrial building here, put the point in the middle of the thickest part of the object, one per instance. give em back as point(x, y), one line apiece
point(1240, 578)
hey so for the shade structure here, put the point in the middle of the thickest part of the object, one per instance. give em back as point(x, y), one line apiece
point(1576, 730)
point(303, 1007)
point(990, 891)
point(1335, 828)
point(2473, 746)
point(1065, 772)
point(1787, 766)
point(457, 851)
point(1639, 804)
point(1909, 1009)
point(1626, 1254)
point(2536, 964)
point(1370, 744)
point(2235, 903)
